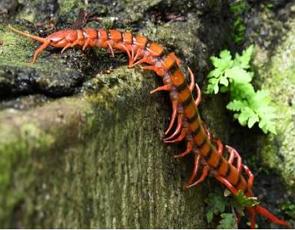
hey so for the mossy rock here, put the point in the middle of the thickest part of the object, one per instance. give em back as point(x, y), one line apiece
point(278, 75)
point(81, 136)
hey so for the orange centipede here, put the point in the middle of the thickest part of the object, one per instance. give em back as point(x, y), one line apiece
point(211, 156)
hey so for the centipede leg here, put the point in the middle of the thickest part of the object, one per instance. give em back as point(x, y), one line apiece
point(209, 135)
point(178, 128)
point(234, 154)
point(250, 177)
point(161, 88)
point(173, 116)
point(252, 217)
point(195, 170)
point(138, 53)
point(227, 184)
point(111, 49)
point(39, 50)
point(131, 60)
point(198, 99)
point(66, 47)
point(86, 44)
point(192, 85)
point(157, 70)
point(140, 61)
point(264, 212)
point(219, 146)
point(126, 50)
point(189, 148)
point(201, 179)
point(192, 79)
point(179, 138)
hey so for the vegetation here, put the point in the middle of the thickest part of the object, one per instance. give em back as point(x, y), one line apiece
point(234, 76)
point(289, 208)
point(238, 8)
point(226, 206)
point(217, 207)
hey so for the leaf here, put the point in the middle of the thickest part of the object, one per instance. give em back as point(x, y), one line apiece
point(209, 216)
point(238, 75)
point(228, 221)
point(224, 81)
point(245, 115)
point(225, 55)
point(241, 91)
point(216, 205)
point(267, 126)
point(216, 73)
point(236, 105)
point(244, 60)
point(212, 85)
point(252, 120)
point(249, 107)
point(224, 62)
point(245, 201)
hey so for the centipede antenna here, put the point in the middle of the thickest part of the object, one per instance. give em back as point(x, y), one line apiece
point(39, 39)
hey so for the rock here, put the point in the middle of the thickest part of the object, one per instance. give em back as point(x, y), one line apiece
point(277, 72)
point(95, 159)
point(7, 7)
point(77, 162)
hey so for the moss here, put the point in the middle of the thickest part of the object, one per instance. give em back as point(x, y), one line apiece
point(70, 5)
point(14, 49)
point(78, 164)
point(15, 148)
point(278, 76)
point(97, 159)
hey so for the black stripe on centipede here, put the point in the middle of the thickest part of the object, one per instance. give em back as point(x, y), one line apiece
point(181, 87)
point(196, 131)
point(220, 159)
point(193, 118)
point(202, 143)
point(238, 181)
point(209, 154)
point(187, 101)
point(228, 170)
point(173, 68)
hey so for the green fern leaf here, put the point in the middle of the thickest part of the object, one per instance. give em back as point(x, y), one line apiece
point(228, 221)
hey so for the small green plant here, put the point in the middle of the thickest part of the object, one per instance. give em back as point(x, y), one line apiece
point(223, 207)
point(289, 208)
point(234, 76)
point(238, 8)
point(228, 221)
point(217, 205)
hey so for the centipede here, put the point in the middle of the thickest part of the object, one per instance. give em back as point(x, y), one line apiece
point(210, 155)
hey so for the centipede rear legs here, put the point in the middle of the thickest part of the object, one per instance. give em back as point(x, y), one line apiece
point(198, 161)
point(203, 175)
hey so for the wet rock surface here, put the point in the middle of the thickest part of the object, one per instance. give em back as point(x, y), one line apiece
point(22, 81)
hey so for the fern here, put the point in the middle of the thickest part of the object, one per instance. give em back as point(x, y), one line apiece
point(228, 221)
point(216, 205)
point(238, 9)
point(234, 76)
